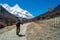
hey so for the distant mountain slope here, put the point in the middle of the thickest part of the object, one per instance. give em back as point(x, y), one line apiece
point(6, 18)
point(49, 14)
point(17, 11)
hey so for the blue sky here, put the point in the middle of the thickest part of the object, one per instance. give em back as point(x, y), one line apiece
point(35, 7)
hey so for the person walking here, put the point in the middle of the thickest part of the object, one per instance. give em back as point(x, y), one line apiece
point(18, 27)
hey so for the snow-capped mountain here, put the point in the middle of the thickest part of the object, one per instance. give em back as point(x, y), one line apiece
point(17, 11)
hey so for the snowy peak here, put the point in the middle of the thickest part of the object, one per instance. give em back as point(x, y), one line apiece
point(17, 8)
point(17, 11)
point(6, 6)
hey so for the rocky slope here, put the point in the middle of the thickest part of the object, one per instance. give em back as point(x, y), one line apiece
point(44, 30)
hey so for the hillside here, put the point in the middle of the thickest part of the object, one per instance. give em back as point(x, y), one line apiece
point(6, 18)
point(49, 14)
point(44, 30)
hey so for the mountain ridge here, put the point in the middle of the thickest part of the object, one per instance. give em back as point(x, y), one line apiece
point(17, 11)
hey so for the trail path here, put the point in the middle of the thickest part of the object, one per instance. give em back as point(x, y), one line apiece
point(11, 35)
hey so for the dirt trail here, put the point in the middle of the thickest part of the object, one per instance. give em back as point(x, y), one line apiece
point(11, 35)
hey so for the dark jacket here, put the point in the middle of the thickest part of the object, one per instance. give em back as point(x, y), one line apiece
point(18, 23)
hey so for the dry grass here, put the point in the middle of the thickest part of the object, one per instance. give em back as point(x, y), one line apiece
point(45, 30)
point(8, 28)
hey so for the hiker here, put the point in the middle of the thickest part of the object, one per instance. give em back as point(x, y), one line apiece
point(18, 26)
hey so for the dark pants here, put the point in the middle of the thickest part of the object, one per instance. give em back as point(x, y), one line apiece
point(17, 29)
